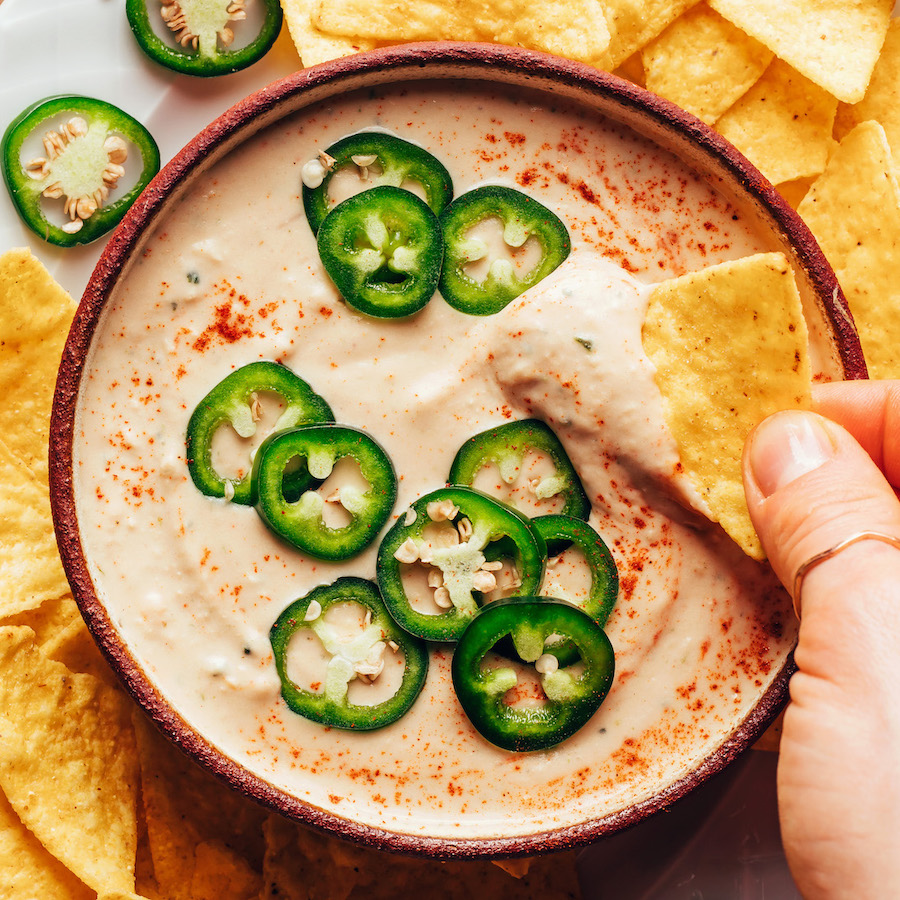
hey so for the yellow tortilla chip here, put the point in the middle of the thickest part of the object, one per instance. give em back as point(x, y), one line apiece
point(794, 191)
point(517, 868)
point(832, 42)
point(144, 877)
point(46, 620)
point(572, 28)
point(782, 124)
point(730, 347)
point(882, 100)
point(771, 738)
point(27, 870)
point(30, 570)
point(219, 873)
point(703, 63)
point(196, 827)
point(313, 45)
point(122, 895)
point(35, 314)
point(853, 209)
point(633, 24)
point(67, 762)
point(74, 647)
point(632, 70)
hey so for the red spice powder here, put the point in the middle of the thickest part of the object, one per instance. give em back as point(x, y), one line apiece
point(228, 327)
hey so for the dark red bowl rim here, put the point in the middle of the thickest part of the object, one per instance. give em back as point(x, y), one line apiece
point(638, 109)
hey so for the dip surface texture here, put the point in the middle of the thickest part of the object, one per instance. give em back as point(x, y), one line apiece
point(193, 584)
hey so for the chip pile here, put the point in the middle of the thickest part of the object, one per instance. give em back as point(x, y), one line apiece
point(788, 82)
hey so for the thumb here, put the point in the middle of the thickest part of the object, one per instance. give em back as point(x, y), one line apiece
point(810, 486)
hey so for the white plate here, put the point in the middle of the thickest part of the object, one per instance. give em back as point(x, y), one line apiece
point(50, 47)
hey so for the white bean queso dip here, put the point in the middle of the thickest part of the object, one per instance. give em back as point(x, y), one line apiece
point(193, 584)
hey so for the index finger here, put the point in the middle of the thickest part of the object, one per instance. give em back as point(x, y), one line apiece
point(870, 411)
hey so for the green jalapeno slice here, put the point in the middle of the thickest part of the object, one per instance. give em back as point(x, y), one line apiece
point(87, 145)
point(522, 218)
point(202, 34)
point(506, 446)
point(572, 696)
point(365, 655)
point(382, 249)
point(300, 520)
point(561, 534)
point(379, 159)
point(459, 536)
point(235, 400)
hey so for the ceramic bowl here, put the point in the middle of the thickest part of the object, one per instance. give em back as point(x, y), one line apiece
point(470, 68)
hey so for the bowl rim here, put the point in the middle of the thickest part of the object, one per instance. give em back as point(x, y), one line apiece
point(412, 62)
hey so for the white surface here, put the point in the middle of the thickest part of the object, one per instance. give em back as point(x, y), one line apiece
point(50, 47)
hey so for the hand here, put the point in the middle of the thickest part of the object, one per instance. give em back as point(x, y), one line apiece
point(810, 484)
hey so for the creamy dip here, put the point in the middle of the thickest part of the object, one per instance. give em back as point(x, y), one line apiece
point(193, 584)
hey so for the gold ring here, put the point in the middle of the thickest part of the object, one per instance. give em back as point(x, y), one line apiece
point(813, 561)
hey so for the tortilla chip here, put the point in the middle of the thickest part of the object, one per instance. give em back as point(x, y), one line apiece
point(703, 63)
point(35, 314)
point(770, 740)
point(301, 864)
point(632, 70)
point(196, 827)
point(794, 191)
point(882, 100)
point(144, 877)
point(313, 45)
point(730, 347)
point(220, 873)
point(74, 647)
point(516, 868)
point(30, 570)
point(122, 895)
point(832, 42)
point(48, 619)
point(853, 209)
point(633, 24)
point(782, 124)
point(67, 762)
point(575, 29)
point(27, 870)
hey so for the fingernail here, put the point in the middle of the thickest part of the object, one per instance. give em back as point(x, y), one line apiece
point(785, 447)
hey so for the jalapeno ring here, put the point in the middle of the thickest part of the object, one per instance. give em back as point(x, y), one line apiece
point(363, 656)
point(572, 698)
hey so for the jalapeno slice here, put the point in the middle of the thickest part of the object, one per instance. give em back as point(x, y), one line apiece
point(561, 533)
point(87, 143)
point(522, 218)
point(506, 446)
point(382, 249)
point(235, 400)
point(572, 696)
point(202, 33)
point(301, 521)
point(459, 534)
point(380, 159)
point(360, 657)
